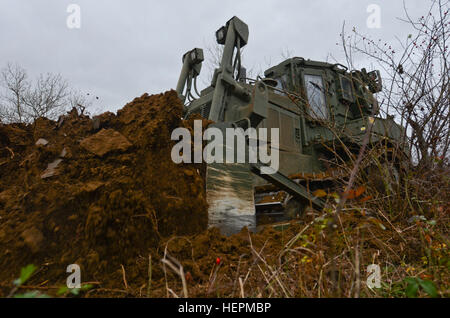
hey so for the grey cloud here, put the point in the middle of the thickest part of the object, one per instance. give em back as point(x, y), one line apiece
point(126, 48)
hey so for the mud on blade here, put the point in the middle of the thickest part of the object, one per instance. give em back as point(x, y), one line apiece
point(229, 192)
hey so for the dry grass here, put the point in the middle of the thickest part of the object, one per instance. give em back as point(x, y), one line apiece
point(402, 227)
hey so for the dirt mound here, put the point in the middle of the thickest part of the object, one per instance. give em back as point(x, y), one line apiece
point(104, 193)
point(95, 192)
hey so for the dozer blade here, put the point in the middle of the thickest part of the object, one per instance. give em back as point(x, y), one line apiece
point(230, 196)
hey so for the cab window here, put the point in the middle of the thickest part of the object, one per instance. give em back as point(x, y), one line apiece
point(316, 96)
point(281, 85)
point(346, 86)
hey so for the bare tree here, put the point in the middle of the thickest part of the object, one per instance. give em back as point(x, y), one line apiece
point(15, 81)
point(416, 79)
point(47, 97)
point(82, 102)
point(23, 101)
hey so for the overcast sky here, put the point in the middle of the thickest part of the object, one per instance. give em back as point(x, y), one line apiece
point(126, 48)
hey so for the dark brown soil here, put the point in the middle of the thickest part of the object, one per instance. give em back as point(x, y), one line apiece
point(104, 193)
point(100, 194)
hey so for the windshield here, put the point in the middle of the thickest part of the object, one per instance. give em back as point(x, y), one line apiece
point(316, 96)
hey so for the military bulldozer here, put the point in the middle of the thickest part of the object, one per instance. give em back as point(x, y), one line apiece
point(322, 112)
